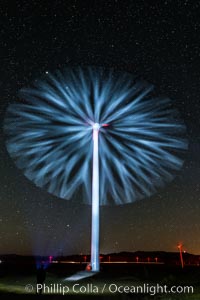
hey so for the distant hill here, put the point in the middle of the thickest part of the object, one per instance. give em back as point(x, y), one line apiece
point(171, 258)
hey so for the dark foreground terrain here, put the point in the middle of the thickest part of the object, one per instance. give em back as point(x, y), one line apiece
point(115, 281)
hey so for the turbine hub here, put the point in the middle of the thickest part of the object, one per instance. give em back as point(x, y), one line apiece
point(96, 126)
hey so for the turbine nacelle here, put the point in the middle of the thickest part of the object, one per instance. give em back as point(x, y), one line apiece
point(96, 126)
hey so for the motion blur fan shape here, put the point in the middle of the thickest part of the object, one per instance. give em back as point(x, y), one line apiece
point(140, 136)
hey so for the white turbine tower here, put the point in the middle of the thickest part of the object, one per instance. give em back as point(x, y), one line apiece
point(49, 138)
point(95, 200)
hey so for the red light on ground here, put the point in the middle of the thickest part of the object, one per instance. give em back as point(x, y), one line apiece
point(88, 268)
point(105, 125)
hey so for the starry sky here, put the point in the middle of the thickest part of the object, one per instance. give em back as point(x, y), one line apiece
point(156, 40)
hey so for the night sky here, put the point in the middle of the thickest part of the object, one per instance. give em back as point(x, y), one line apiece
point(156, 40)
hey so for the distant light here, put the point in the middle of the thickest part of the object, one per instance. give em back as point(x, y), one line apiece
point(46, 72)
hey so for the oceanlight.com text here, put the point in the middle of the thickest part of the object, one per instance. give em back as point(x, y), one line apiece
point(108, 288)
